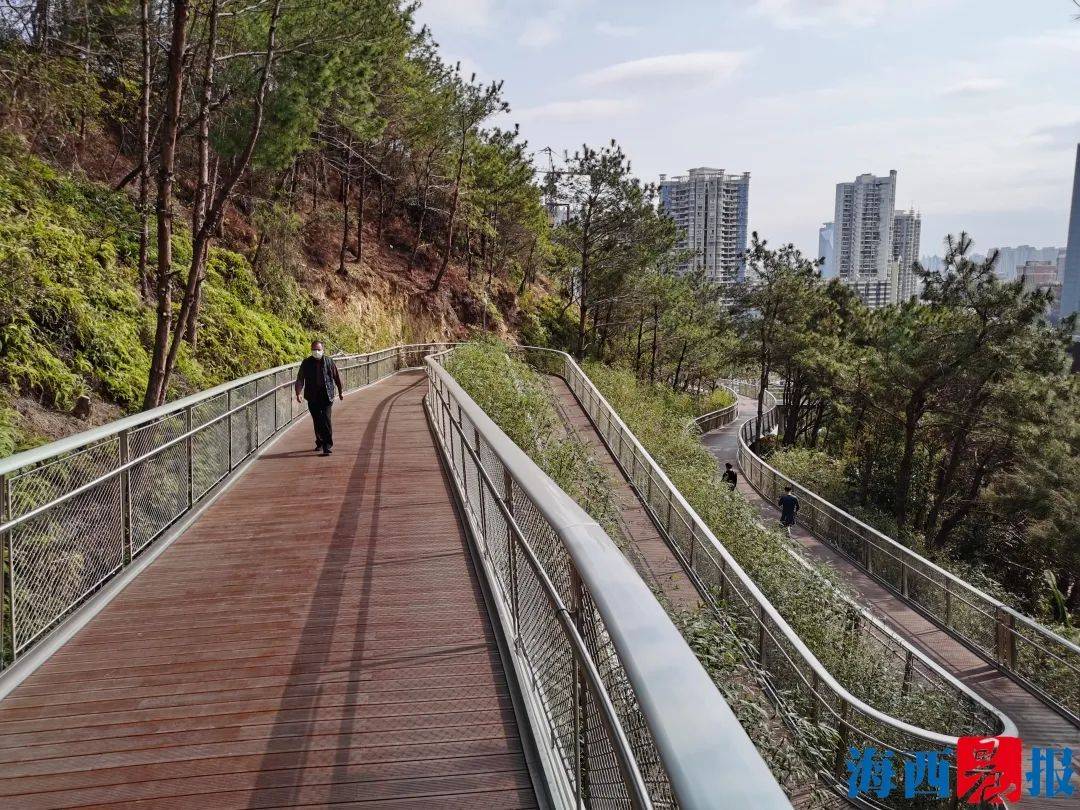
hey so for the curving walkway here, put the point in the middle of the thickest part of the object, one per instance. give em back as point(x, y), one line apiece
point(317, 637)
point(1037, 723)
point(649, 552)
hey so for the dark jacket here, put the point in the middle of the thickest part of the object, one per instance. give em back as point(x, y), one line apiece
point(789, 506)
point(731, 478)
point(308, 377)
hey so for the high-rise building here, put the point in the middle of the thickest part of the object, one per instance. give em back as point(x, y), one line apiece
point(825, 250)
point(1070, 291)
point(710, 208)
point(863, 237)
point(907, 227)
point(1045, 276)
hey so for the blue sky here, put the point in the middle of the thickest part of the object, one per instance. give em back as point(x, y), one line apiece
point(976, 103)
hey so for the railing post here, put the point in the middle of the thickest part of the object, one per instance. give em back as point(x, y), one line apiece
point(904, 586)
point(229, 420)
point(7, 614)
point(1006, 638)
point(125, 497)
point(189, 445)
point(511, 549)
point(480, 489)
point(578, 689)
point(948, 601)
point(761, 635)
point(909, 663)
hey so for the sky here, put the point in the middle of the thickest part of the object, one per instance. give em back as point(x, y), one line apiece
point(975, 103)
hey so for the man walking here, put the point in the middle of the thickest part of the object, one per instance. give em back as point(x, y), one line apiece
point(317, 378)
point(789, 507)
point(731, 478)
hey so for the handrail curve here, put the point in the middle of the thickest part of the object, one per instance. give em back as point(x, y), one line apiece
point(1044, 662)
point(782, 658)
point(686, 742)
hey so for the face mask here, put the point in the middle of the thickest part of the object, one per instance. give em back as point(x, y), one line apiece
point(316, 353)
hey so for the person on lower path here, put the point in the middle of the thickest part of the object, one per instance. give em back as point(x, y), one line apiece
point(317, 378)
point(731, 478)
point(789, 507)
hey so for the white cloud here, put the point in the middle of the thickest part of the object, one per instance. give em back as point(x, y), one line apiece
point(815, 13)
point(1059, 136)
point(585, 109)
point(835, 13)
point(467, 15)
point(540, 32)
point(975, 85)
point(696, 66)
point(617, 31)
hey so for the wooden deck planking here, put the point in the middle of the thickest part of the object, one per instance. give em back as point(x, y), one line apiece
point(651, 556)
point(317, 637)
point(1038, 724)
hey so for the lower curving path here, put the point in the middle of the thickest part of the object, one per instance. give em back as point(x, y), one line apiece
point(317, 637)
point(649, 552)
point(1037, 724)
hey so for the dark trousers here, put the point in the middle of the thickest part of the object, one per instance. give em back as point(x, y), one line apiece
point(320, 419)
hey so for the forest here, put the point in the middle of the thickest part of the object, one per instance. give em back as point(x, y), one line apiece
point(192, 190)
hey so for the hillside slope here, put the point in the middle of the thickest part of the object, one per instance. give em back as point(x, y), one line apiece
point(73, 322)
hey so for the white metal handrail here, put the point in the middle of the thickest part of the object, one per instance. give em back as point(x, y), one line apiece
point(795, 678)
point(589, 638)
point(76, 512)
point(1041, 660)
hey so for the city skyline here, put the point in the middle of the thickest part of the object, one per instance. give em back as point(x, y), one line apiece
point(984, 135)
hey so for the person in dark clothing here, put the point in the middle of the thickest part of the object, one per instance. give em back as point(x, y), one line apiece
point(317, 378)
point(789, 507)
point(731, 478)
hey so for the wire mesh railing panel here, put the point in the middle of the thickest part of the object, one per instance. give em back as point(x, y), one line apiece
point(210, 446)
point(158, 487)
point(1049, 664)
point(74, 513)
point(58, 555)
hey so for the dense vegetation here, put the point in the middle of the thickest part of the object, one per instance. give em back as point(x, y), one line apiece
point(321, 162)
point(518, 399)
point(950, 423)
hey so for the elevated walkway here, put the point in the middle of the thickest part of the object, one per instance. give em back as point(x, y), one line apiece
point(317, 637)
point(1037, 723)
point(198, 610)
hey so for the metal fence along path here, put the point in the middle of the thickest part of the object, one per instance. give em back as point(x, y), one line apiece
point(421, 620)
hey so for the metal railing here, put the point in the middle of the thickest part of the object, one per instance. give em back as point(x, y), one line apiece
point(796, 681)
point(714, 420)
point(76, 512)
point(625, 714)
point(1043, 661)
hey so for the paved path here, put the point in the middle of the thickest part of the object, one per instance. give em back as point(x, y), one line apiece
point(650, 554)
point(1037, 723)
point(317, 637)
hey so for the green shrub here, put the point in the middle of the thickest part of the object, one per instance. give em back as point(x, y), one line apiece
point(808, 598)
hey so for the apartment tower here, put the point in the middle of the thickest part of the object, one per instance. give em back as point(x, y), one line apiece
point(907, 227)
point(1070, 288)
point(863, 237)
point(710, 208)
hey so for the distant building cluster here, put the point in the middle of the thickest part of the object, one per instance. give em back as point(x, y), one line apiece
point(869, 245)
point(710, 208)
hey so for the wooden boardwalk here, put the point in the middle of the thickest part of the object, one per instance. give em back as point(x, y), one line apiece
point(317, 637)
point(649, 553)
point(1037, 723)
